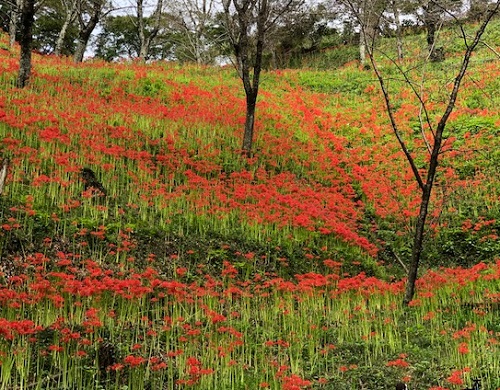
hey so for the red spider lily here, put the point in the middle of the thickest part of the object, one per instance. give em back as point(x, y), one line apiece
point(463, 348)
point(181, 271)
point(229, 270)
point(279, 343)
point(429, 316)
point(134, 361)
point(455, 377)
point(116, 367)
point(295, 382)
point(55, 348)
point(8, 329)
point(347, 368)
point(398, 363)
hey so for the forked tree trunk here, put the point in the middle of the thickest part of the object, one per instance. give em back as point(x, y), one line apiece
point(426, 184)
point(249, 69)
point(418, 238)
point(146, 39)
point(251, 85)
point(86, 29)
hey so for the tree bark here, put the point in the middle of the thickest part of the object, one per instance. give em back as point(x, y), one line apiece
point(70, 17)
point(418, 238)
point(25, 40)
point(143, 51)
point(3, 173)
point(86, 29)
point(399, 32)
point(81, 46)
point(362, 47)
point(426, 187)
point(431, 20)
point(147, 39)
point(14, 18)
point(251, 103)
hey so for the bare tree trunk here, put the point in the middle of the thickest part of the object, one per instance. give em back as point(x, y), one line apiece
point(251, 102)
point(25, 40)
point(362, 46)
point(248, 26)
point(3, 173)
point(418, 238)
point(86, 28)
point(431, 21)
point(426, 187)
point(142, 35)
point(14, 18)
point(252, 84)
point(70, 17)
point(81, 46)
point(146, 41)
point(399, 32)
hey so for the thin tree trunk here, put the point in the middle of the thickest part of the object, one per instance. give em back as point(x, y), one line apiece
point(399, 32)
point(249, 123)
point(426, 187)
point(362, 47)
point(70, 17)
point(86, 29)
point(146, 41)
point(3, 173)
point(370, 15)
point(14, 18)
point(431, 20)
point(418, 244)
point(13, 27)
point(81, 46)
point(25, 40)
point(142, 35)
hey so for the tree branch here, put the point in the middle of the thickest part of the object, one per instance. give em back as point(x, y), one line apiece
point(390, 112)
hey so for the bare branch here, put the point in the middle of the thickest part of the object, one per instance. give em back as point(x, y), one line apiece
point(395, 128)
point(426, 141)
point(488, 46)
point(467, 56)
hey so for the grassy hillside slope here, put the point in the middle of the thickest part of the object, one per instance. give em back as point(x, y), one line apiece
point(204, 268)
point(327, 178)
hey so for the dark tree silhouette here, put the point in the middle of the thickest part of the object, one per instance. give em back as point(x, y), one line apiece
point(91, 183)
point(249, 24)
point(26, 41)
point(426, 179)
